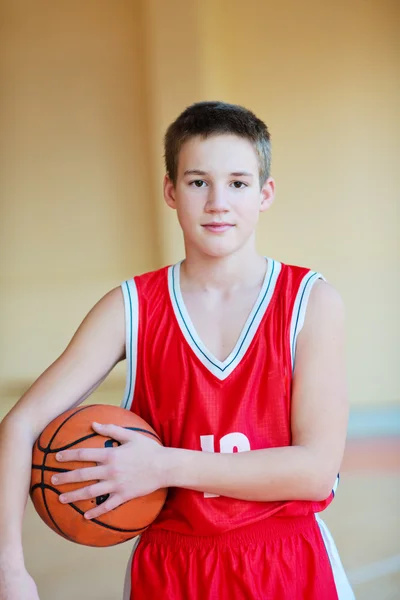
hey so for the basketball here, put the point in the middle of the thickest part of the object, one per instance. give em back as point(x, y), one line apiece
point(73, 429)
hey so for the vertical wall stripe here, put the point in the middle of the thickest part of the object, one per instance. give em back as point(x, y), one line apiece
point(131, 336)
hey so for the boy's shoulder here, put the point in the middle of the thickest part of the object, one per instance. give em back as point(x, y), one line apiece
point(154, 275)
point(295, 283)
point(294, 274)
point(304, 284)
point(295, 267)
point(146, 285)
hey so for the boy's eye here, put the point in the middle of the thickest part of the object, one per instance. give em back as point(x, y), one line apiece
point(238, 184)
point(197, 183)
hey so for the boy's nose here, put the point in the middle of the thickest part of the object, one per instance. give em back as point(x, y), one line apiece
point(217, 201)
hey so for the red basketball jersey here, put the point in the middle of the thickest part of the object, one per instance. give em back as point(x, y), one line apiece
point(197, 402)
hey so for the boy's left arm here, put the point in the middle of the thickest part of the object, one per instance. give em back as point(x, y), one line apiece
point(306, 470)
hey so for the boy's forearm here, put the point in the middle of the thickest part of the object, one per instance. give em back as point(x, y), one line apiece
point(275, 474)
point(15, 472)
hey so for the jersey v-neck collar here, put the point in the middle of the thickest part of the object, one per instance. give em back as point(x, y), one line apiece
point(222, 369)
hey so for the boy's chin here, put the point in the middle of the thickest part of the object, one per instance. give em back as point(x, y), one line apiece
point(218, 250)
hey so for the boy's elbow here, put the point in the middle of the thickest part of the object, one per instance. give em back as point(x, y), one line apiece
point(17, 423)
point(322, 487)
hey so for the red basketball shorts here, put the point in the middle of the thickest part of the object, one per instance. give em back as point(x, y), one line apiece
point(278, 559)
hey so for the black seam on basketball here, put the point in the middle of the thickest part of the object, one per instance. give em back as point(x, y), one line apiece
point(61, 448)
point(59, 427)
point(82, 512)
point(52, 469)
point(44, 464)
point(45, 486)
point(144, 431)
point(112, 527)
point(49, 450)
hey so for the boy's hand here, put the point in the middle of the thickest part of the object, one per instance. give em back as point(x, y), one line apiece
point(128, 471)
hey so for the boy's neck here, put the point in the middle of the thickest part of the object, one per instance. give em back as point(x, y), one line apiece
point(224, 274)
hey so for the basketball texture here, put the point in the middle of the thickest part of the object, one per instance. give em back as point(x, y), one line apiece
point(73, 429)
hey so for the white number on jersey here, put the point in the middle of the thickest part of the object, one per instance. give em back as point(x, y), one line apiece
point(232, 442)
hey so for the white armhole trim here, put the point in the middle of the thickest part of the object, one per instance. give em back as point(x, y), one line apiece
point(131, 302)
point(299, 309)
point(298, 318)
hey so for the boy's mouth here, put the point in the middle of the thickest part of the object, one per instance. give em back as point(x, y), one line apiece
point(217, 227)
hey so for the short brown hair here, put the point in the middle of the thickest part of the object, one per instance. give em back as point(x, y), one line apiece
point(214, 118)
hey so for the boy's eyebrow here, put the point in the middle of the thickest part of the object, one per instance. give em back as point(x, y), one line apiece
point(242, 174)
point(202, 173)
point(194, 172)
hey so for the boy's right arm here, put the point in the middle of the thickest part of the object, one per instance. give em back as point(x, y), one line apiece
point(97, 346)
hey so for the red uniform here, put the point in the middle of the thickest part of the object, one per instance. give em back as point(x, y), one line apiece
point(204, 546)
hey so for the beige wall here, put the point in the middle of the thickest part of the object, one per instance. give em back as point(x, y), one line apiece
point(88, 89)
point(326, 79)
point(76, 209)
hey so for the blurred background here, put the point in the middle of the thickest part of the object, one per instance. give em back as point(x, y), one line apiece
point(88, 88)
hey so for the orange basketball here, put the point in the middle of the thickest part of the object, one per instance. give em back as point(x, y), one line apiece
point(73, 429)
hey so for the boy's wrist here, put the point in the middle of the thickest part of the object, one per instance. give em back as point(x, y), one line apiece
point(172, 467)
point(12, 558)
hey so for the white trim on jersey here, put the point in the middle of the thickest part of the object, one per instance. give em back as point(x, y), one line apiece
point(299, 310)
point(131, 336)
point(298, 318)
point(335, 486)
point(128, 572)
point(222, 369)
point(342, 584)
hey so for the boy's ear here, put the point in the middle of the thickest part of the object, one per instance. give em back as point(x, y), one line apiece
point(169, 192)
point(267, 194)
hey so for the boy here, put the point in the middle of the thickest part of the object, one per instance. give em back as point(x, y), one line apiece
point(237, 362)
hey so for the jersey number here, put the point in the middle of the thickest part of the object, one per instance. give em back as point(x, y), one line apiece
point(232, 442)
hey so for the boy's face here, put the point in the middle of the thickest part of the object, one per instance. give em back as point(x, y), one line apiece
point(217, 194)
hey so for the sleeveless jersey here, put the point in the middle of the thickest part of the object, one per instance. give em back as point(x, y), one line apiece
point(196, 402)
